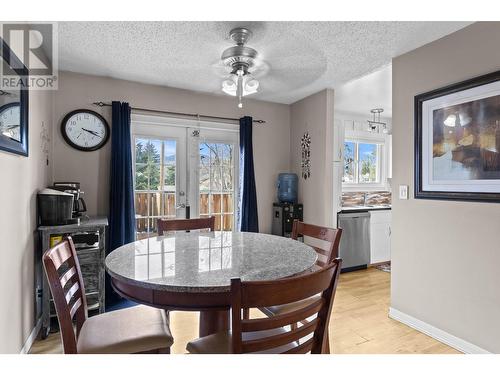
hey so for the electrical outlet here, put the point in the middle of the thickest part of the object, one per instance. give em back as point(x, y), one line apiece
point(403, 191)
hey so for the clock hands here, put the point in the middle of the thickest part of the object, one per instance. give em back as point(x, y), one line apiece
point(92, 132)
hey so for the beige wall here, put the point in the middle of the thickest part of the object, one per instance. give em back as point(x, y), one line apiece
point(21, 177)
point(445, 255)
point(271, 140)
point(314, 115)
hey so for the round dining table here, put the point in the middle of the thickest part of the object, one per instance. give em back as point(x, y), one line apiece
point(193, 270)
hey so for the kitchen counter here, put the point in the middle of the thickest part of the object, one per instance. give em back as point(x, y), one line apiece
point(365, 208)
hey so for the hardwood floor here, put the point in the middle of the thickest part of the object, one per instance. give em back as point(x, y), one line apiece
point(359, 325)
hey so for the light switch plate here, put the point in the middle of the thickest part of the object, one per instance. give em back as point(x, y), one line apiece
point(403, 191)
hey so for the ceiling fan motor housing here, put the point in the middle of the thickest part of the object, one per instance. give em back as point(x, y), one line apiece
point(239, 57)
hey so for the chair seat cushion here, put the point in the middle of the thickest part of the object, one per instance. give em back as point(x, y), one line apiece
point(132, 330)
point(220, 342)
point(286, 308)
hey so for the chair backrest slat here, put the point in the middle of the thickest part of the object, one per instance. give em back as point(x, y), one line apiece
point(321, 251)
point(311, 316)
point(72, 291)
point(185, 224)
point(68, 276)
point(282, 320)
point(75, 307)
point(275, 341)
point(303, 348)
point(286, 290)
point(60, 257)
point(329, 235)
point(320, 263)
point(67, 290)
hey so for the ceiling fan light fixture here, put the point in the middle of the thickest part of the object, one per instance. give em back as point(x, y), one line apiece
point(249, 85)
point(239, 60)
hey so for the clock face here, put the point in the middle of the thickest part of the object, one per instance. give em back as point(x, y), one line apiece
point(85, 130)
point(10, 119)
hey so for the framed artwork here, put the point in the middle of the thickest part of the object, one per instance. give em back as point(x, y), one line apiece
point(457, 141)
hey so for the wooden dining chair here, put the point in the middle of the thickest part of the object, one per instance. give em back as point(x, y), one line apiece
point(139, 329)
point(327, 247)
point(185, 224)
point(329, 239)
point(271, 334)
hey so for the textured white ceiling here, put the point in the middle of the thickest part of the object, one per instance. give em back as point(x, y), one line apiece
point(303, 57)
point(360, 95)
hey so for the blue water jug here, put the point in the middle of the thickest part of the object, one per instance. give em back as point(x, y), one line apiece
point(287, 187)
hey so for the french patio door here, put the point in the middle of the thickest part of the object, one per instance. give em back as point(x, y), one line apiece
point(183, 168)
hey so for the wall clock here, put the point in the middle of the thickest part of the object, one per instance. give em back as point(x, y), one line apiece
point(85, 130)
point(9, 121)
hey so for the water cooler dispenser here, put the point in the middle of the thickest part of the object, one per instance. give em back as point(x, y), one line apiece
point(286, 210)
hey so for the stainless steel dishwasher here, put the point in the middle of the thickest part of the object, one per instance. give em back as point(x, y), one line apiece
point(355, 241)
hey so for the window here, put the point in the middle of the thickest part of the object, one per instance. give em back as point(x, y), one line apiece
point(361, 162)
point(155, 168)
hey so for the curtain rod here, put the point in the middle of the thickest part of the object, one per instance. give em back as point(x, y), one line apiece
point(195, 115)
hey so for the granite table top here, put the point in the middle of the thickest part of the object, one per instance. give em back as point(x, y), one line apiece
point(199, 262)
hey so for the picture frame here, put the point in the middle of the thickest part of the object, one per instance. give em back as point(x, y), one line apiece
point(457, 141)
point(13, 107)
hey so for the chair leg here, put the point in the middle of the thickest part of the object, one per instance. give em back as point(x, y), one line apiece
point(326, 346)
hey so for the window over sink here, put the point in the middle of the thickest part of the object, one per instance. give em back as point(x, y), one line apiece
point(365, 162)
point(361, 163)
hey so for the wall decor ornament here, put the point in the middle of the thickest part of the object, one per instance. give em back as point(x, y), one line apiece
point(305, 144)
point(457, 141)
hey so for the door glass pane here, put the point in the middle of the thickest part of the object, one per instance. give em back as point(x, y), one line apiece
point(170, 152)
point(367, 162)
point(169, 179)
point(215, 203)
point(155, 205)
point(204, 203)
point(204, 178)
point(169, 205)
point(227, 178)
point(215, 179)
point(227, 222)
point(227, 203)
point(141, 228)
point(216, 183)
point(141, 204)
point(217, 222)
point(155, 173)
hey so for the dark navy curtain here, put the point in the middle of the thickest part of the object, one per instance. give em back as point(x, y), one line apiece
point(248, 219)
point(121, 194)
point(121, 197)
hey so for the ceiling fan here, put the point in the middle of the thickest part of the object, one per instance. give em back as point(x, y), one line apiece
point(241, 66)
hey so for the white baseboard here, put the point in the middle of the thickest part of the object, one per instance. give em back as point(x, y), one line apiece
point(31, 338)
point(436, 333)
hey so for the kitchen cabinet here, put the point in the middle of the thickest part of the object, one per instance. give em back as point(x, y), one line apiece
point(338, 141)
point(380, 236)
point(338, 172)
